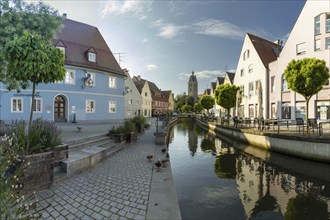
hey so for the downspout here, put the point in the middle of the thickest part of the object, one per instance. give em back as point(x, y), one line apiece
point(267, 94)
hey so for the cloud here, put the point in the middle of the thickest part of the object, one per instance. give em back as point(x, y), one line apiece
point(168, 30)
point(219, 28)
point(145, 40)
point(151, 67)
point(136, 8)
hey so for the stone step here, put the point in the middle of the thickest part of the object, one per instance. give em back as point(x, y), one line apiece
point(88, 157)
point(81, 140)
point(97, 141)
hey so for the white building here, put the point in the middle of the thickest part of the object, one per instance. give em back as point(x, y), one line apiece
point(144, 89)
point(133, 99)
point(252, 69)
point(310, 37)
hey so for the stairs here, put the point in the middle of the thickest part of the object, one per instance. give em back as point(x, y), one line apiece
point(84, 154)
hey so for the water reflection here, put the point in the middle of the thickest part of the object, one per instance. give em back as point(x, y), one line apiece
point(243, 186)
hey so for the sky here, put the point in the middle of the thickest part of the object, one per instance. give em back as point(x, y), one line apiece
point(164, 41)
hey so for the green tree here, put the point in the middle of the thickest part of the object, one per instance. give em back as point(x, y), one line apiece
point(198, 107)
point(225, 96)
point(186, 108)
point(207, 102)
point(16, 17)
point(180, 101)
point(31, 59)
point(189, 100)
point(306, 77)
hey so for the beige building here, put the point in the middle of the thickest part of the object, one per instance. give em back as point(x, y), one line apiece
point(133, 99)
point(143, 87)
point(310, 37)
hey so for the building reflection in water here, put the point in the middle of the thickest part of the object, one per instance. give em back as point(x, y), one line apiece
point(268, 191)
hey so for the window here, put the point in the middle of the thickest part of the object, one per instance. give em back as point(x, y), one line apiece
point(257, 87)
point(273, 111)
point(130, 101)
point(112, 106)
point(69, 77)
point(327, 43)
point(91, 57)
point(242, 72)
point(16, 105)
point(90, 106)
point(145, 94)
point(246, 54)
point(137, 102)
point(301, 48)
point(317, 25)
point(327, 23)
point(251, 89)
point(251, 68)
point(317, 44)
point(242, 91)
point(284, 84)
point(112, 82)
point(286, 111)
point(251, 111)
point(272, 84)
point(37, 105)
point(128, 112)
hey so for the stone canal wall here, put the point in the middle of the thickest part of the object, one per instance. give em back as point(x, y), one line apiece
point(293, 146)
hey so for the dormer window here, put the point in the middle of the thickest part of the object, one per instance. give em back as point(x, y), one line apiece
point(91, 57)
point(62, 49)
point(60, 45)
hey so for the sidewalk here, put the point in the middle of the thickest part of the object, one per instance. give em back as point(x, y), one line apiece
point(124, 186)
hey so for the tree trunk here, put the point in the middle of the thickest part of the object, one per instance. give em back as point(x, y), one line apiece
point(307, 104)
point(31, 114)
point(228, 115)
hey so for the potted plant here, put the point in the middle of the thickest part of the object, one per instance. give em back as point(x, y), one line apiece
point(140, 122)
point(119, 134)
point(130, 130)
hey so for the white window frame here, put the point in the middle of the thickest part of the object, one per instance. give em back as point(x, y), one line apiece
point(251, 88)
point(112, 82)
point(284, 84)
point(70, 77)
point(301, 48)
point(37, 100)
point(327, 43)
point(17, 99)
point(242, 90)
point(272, 84)
point(130, 101)
point(92, 57)
point(242, 72)
point(327, 23)
point(317, 44)
point(62, 49)
point(90, 108)
point(257, 87)
point(251, 68)
point(112, 106)
point(317, 25)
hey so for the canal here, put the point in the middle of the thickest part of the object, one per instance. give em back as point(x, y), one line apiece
point(217, 178)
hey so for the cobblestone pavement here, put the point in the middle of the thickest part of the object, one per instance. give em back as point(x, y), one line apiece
point(117, 188)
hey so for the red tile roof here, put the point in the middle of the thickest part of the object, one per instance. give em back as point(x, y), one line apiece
point(267, 50)
point(79, 38)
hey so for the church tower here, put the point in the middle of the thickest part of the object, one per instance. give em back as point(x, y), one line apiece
point(193, 87)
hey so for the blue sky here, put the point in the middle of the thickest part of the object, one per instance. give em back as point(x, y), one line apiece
point(164, 41)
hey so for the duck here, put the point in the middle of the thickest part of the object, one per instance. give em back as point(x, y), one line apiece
point(164, 150)
point(158, 164)
point(164, 161)
point(167, 156)
point(149, 157)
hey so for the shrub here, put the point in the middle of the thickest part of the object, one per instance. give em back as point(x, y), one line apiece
point(139, 120)
point(44, 135)
point(129, 126)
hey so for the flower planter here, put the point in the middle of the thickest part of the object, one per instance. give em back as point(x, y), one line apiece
point(140, 128)
point(130, 137)
point(118, 137)
point(40, 173)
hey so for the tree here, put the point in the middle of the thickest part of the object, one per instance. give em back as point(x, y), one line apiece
point(306, 77)
point(31, 59)
point(198, 107)
point(186, 108)
point(16, 17)
point(207, 102)
point(189, 100)
point(180, 101)
point(225, 96)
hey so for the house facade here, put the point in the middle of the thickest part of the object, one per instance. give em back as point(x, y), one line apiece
point(133, 99)
point(310, 37)
point(92, 88)
point(169, 96)
point(252, 74)
point(144, 89)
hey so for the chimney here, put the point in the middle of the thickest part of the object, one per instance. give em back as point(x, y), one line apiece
point(138, 77)
point(64, 15)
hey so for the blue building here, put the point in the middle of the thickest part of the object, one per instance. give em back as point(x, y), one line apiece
point(92, 89)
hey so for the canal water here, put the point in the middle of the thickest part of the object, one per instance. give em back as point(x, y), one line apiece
point(219, 178)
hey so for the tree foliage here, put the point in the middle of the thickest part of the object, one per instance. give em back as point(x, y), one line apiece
point(186, 108)
point(207, 102)
point(17, 17)
point(225, 95)
point(30, 59)
point(306, 77)
point(198, 107)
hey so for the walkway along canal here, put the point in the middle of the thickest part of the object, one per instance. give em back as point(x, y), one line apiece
point(216, 179)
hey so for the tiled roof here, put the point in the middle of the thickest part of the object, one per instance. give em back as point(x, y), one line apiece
point(167, 94)
point(267, 50)
point(79, 38)
point(221, 80)
point(139, 83)
point(213, 85)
